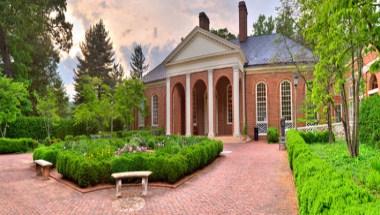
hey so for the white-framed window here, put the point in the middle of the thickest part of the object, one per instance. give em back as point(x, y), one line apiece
point(338, 113)
point(261, 108)
point(141, 119)
point(286, 103)
point(229, 104)
point(154, 110)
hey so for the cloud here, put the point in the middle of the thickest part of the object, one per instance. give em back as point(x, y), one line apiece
point(158, 25)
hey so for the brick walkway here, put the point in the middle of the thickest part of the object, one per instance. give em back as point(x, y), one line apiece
point(253, 179)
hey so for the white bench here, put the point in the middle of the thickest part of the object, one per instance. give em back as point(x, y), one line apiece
point(136, 174)
point(43, 168)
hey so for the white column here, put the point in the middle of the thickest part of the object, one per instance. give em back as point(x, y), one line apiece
point(236, 104)
point(210, 97)
point(168, 106)
point(188, 96)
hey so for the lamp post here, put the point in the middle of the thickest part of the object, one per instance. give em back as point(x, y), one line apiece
point(295, 82)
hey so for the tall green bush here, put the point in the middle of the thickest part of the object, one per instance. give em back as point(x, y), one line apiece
point(369, 119)
point(16, 145)
point(321, 189)
point(316, 136)
point(273, 135)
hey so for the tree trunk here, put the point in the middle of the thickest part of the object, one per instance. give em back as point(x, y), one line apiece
point(329, 126)
point(5, 54)
point(345, 116)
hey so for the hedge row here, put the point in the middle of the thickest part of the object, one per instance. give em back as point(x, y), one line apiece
point(16, 145)
point(369, 118)
point(316, 136)
point(165, 167)
point(47, 153)
point(320, 189)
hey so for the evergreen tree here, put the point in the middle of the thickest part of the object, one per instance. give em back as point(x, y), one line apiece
point(117, 74)
point(263, 25)
point(286, 23)
point(224, 33)
point(138, 66)
point(97, 61)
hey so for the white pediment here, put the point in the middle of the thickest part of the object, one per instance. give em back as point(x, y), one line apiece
point(200, 44)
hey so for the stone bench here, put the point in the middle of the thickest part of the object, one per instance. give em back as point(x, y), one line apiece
point(135, 174)
point(43, 168)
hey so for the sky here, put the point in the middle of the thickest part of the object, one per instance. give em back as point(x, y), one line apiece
point(158, 25)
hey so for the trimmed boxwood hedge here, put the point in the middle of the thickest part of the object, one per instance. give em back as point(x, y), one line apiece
point(273, 135)
point(8, 145)
point(180, 156)
point(322, 190)
point(316, 136)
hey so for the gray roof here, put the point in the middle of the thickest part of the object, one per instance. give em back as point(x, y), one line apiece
point(156, 74)
point(274, 49)
point(259, 50)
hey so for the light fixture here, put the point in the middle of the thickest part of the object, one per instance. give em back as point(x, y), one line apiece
point(295, 79)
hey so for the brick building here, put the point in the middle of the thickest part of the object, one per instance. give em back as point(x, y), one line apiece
point(211, 86)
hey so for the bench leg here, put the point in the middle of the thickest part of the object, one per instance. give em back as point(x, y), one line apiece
point(144, 182)
point(46, 172)
point(38, 170)
point(118, 188)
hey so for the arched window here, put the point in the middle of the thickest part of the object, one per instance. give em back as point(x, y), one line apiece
point(229, 104)
point(261, 108)
point(154, 110)
point(373, 82)
point(286, 103)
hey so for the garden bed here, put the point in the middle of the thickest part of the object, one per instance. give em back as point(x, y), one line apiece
point(321, 187)
point(89, 162)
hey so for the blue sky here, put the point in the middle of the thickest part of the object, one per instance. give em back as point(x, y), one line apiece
point(158, 25)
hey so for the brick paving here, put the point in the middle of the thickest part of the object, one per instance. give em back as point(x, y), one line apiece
point(253, 179)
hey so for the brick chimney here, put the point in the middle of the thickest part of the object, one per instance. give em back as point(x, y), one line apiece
point(204, 22)
point(243, 13)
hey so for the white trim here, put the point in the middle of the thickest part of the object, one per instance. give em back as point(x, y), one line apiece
point(276, 68)
point(168, 94)
point(373, 91)
point(266, 105)
point(227, 112)
point(291, 100)
point(236, 101)
point(153, 112)
point(187, 99)
point(210, 90)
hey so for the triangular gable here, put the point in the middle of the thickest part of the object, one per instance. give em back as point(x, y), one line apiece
point(199, 44)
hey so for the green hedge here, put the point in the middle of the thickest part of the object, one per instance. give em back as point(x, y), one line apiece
point(166, 167)
point(8, 145)
point(27, 127)
point(320, 189)
point(47, 153)
point(273, 135)
point(316, 136)
point(369, 119)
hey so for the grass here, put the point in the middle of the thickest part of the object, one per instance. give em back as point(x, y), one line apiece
point(365, 169)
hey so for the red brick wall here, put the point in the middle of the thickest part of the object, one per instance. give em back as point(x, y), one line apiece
point(158, 89)
point(272, 80)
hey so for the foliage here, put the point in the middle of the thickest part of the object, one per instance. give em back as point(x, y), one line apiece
point(364, 170)
point(138, 65)
point(12, 95)
point(369, 121)
point(224, 33)
point(16, 145)
point(89, 162)
point(263, 25)
point(342, 31)
point(316, 136)
point(286, 20)
point(47, 107)
point(273, 135)
point(129, 96)
point(320, 188)
point(97, 62)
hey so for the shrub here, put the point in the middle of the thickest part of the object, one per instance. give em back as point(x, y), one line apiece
point(369, 118)
point(273, 135)
point(27, 127)
point(321, 189)
point(16, 145)
point(316, 136)
point(47, 153)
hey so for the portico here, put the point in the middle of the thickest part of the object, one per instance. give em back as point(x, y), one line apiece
point(203, 92)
